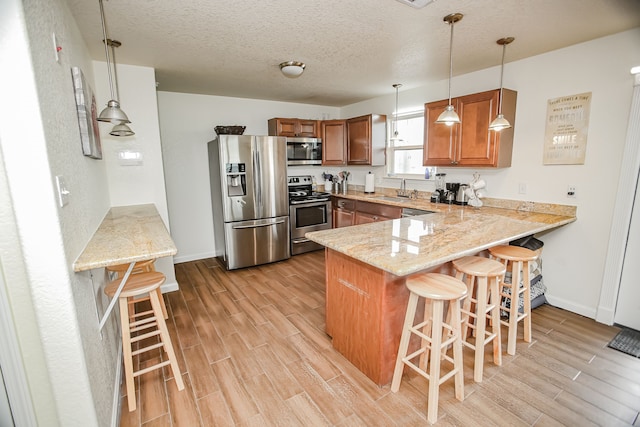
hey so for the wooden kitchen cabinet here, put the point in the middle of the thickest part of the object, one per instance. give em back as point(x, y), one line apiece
point(366, 136)
point(343, 212)
point(294, 127)
point(470, 143)
point(367, 212)
point(334, 142)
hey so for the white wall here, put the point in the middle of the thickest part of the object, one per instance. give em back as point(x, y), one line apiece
point(186, 124)
point(574, 255)
point(143, 183)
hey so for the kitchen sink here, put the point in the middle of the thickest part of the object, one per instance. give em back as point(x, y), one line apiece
point(393, 199)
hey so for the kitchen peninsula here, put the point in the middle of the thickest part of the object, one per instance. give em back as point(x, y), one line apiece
point(366, 267)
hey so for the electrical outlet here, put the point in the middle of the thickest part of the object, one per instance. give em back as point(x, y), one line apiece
point(571, 191)
point(522, 188)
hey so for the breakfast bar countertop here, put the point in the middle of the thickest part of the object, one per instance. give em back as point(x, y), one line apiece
point(409, 245)
point(127, 234)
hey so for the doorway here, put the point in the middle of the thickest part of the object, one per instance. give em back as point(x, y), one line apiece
point(628, 306)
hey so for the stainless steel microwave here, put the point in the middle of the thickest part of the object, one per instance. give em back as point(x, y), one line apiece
point(304, 151)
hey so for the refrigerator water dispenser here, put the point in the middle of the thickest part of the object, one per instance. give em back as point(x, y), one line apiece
point(236, 180)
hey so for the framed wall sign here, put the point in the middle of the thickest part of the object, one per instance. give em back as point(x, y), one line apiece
point(87, 115)
point(565, 139)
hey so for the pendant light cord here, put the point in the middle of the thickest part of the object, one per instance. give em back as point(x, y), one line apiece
point(504, 48)
point(106, 47)
point(115, 69)
point(450, 60)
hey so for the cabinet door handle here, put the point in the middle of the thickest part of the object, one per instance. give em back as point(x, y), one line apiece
point(375, 218)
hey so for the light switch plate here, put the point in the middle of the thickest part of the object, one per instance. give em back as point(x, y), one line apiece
point(63, 193)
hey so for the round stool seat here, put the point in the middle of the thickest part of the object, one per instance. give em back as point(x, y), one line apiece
point(479, 266)
point(436, 286)
point(137, 284)
point(513, 253)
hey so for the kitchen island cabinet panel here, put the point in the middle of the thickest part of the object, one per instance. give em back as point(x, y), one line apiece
point(365, 309)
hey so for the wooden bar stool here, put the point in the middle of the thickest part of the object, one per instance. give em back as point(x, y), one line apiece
point(436, 289)
point(519, 258)
point(147, 266)
point(482, 278)
point(142, 326)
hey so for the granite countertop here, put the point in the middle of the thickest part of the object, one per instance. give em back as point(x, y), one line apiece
point(127, 234)
point(409, 245)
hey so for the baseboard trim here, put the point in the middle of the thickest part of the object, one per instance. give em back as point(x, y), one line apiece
point(193, 257)
point(564, 304)
point(117, 407)
point(169, 287)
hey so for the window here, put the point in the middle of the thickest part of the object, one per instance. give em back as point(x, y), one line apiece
point(405, 155)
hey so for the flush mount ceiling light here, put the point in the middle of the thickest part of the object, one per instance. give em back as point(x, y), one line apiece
point(500, 122)
point(112, 113)
point(292, 69)
point(449, 116)
point(395, 136)
point(418, 4)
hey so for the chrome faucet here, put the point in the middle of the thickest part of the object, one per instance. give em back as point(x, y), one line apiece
point(402, 192)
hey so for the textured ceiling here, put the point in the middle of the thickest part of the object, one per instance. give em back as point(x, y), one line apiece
point(353, 50)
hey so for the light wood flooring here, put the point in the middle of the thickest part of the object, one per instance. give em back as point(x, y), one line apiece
point(252, 351)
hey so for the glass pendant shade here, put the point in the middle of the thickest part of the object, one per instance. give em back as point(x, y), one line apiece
point(499, 123)
point(113, 114)
point(449, 116)
point(121, 130)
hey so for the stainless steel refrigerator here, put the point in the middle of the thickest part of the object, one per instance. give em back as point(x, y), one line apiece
point(249, 198)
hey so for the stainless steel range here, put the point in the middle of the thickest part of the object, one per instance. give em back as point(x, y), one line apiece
point(308, 211)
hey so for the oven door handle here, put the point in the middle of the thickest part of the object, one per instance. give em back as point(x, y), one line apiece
point(300, 240)
point(300, 202)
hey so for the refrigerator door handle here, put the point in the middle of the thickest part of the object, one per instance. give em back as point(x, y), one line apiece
point(237, 227)
point(257, 176)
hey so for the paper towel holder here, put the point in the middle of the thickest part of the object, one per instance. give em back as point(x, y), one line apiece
point(369, 183)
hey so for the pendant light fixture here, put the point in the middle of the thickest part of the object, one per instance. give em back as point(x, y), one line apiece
point(112, 113)
point(120, 129)
point(500, 122)
point(449, 116)
point(395, 119)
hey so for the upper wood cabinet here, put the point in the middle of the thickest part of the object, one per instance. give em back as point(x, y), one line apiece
point(334, 142)
point(294, 127)
point(366, 137)
point(470, 143)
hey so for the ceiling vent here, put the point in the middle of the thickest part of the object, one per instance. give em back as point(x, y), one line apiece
point(418, 4)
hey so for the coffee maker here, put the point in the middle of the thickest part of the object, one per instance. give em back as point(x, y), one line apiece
point(452, 192)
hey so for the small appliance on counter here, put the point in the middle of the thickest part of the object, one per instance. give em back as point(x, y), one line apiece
point(461, 197)
point(370, 183)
